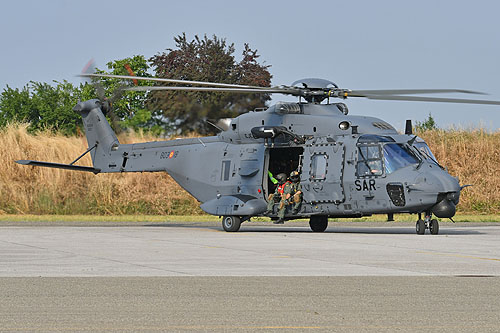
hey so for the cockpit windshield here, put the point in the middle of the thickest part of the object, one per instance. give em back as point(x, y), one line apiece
point(397, 156)
point(379, 155)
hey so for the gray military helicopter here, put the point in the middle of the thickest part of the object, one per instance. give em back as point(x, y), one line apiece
point(350, 166)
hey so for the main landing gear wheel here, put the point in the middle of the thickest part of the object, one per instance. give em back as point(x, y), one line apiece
point(231, 223)
point(434, 227)
point(318, 223)
point(420, 227)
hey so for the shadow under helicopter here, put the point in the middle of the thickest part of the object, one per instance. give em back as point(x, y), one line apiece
point(407, 230)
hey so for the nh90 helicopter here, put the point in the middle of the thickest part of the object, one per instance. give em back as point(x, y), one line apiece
point(350, 166)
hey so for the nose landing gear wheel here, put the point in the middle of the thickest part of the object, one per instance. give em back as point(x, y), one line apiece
point(420, 227)
point(434, 227)
point(318, 223)
point(231, 223)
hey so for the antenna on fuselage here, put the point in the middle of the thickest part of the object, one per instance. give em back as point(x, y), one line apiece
point(409, 127)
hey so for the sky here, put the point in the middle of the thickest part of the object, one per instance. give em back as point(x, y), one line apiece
point(356, 44)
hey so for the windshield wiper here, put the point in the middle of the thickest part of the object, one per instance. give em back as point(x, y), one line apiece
point(432, 159)
point(419, 155)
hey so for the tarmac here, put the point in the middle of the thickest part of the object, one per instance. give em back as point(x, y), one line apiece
point(192, 276)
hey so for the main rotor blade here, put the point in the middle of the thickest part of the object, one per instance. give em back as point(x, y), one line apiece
point(431, 99)
point(412, 91)
point(237, 90)
point(155, 79)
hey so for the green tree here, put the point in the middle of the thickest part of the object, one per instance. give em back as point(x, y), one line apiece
point(426, 125)
point(44, 105)
point(212, 60)
point(129, 106)
point(16, 106)
point(51, 106)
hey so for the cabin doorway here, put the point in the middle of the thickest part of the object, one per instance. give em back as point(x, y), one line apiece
point(281, 160)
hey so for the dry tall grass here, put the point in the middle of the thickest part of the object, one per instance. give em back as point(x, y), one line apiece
point(474, 156)
point(38, 190)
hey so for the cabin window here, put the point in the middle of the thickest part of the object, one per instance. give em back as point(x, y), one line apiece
point(318, 166)
point(226, 168)
point(369, 161)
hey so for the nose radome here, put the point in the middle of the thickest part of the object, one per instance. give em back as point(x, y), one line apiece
point(438, 181)
point(449, 183)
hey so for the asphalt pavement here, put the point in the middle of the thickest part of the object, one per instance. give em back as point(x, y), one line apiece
point(192, 276)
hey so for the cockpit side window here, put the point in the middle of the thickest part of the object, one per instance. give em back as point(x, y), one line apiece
point(369, 161)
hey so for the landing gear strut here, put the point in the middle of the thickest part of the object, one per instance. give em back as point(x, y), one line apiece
point(432, 225)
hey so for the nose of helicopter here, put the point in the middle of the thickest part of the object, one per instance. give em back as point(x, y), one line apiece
point(447, 189)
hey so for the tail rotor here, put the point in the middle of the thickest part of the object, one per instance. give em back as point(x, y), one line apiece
point(106, 103)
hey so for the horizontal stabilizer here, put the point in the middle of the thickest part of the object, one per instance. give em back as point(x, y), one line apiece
point(59, 166)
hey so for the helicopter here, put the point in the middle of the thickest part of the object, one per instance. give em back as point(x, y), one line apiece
point(350, 166)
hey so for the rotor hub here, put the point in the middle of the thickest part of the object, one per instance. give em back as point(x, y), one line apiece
point(316, 90)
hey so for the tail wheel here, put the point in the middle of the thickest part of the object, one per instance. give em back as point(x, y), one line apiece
point(420, 227)
point(231, 223)
point(434, 227)
point(318, 223)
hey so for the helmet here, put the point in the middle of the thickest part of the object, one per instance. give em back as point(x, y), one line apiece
point(281, 177)
point(294, 176)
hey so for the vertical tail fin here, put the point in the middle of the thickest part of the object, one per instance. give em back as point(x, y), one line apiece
point(98, 131)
